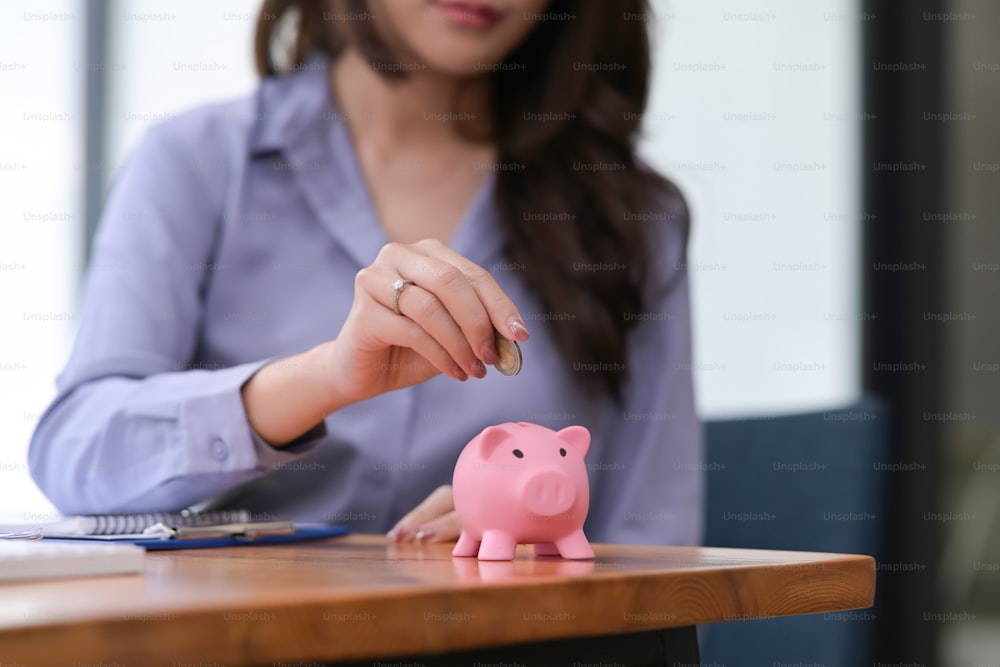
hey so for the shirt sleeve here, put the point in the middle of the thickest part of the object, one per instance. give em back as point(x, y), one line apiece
point(648, 485)
point(133, 426)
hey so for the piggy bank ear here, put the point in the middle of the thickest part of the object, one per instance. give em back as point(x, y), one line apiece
point(490, 439)
point(577, 437)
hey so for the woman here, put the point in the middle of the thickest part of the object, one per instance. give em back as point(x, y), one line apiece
point(293, 296)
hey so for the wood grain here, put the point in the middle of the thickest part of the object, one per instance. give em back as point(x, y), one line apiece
point(361, 597)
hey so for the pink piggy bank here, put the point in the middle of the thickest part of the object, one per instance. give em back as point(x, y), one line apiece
point(523, 484)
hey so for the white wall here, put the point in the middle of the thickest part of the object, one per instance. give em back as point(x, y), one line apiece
point(754, 113)
point(171, 56)
point(41, 162)
point(775, 198)
point(41, 127)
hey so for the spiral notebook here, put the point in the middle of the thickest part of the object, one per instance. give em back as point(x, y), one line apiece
point(135, 524)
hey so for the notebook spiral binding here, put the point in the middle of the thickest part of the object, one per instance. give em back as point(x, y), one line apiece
point(121, 524)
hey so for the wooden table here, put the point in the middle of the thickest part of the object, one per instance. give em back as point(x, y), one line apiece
point(360, 597)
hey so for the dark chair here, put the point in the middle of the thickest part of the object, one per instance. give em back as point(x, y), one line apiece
point(809, 482)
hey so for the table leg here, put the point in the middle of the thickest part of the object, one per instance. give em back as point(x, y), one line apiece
point(681, 647)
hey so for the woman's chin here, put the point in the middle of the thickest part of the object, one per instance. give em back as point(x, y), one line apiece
point(459, 65)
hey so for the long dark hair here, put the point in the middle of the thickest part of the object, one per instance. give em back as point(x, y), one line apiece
point(566, 112)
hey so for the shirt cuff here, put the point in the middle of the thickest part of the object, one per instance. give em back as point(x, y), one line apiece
point(273, 458)
point(218, 434)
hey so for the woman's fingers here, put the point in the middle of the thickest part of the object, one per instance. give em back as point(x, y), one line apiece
point(453, 301)
point(446, 295)
point(449, 291)
point(389, 330)
point(502, 312)
point(424, 516)
point(445, 528)
point(424, 307)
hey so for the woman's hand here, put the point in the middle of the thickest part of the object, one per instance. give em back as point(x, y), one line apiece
point(445, 324)
point(433, 520)
point(447, 315)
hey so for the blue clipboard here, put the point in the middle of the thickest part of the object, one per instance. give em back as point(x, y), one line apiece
point(303, 533)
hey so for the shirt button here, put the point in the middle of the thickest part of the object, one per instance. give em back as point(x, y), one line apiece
point(220, 452)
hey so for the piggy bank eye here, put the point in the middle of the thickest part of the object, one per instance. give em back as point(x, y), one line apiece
point(562, 452)
point(518, 453)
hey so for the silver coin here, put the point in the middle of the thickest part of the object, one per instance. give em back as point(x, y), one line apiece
point(508, 353)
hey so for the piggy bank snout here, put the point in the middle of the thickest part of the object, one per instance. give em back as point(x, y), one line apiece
point(549, 493)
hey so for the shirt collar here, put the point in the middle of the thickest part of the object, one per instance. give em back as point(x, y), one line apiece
point(290, 104)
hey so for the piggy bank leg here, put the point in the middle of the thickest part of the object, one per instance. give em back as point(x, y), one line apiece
point(497, 545)
point(575, 546)
point(546, 549)
point(466, 546)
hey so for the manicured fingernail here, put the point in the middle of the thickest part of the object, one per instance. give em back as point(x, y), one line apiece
point(478, 369)
point(518, 331)
point(488, 353)
point(398, 533)
point(459, 374)
point(425, 534)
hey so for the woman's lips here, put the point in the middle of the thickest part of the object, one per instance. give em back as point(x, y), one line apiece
point(469, 14)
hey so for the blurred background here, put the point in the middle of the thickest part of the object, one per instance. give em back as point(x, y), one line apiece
point(842, 162)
